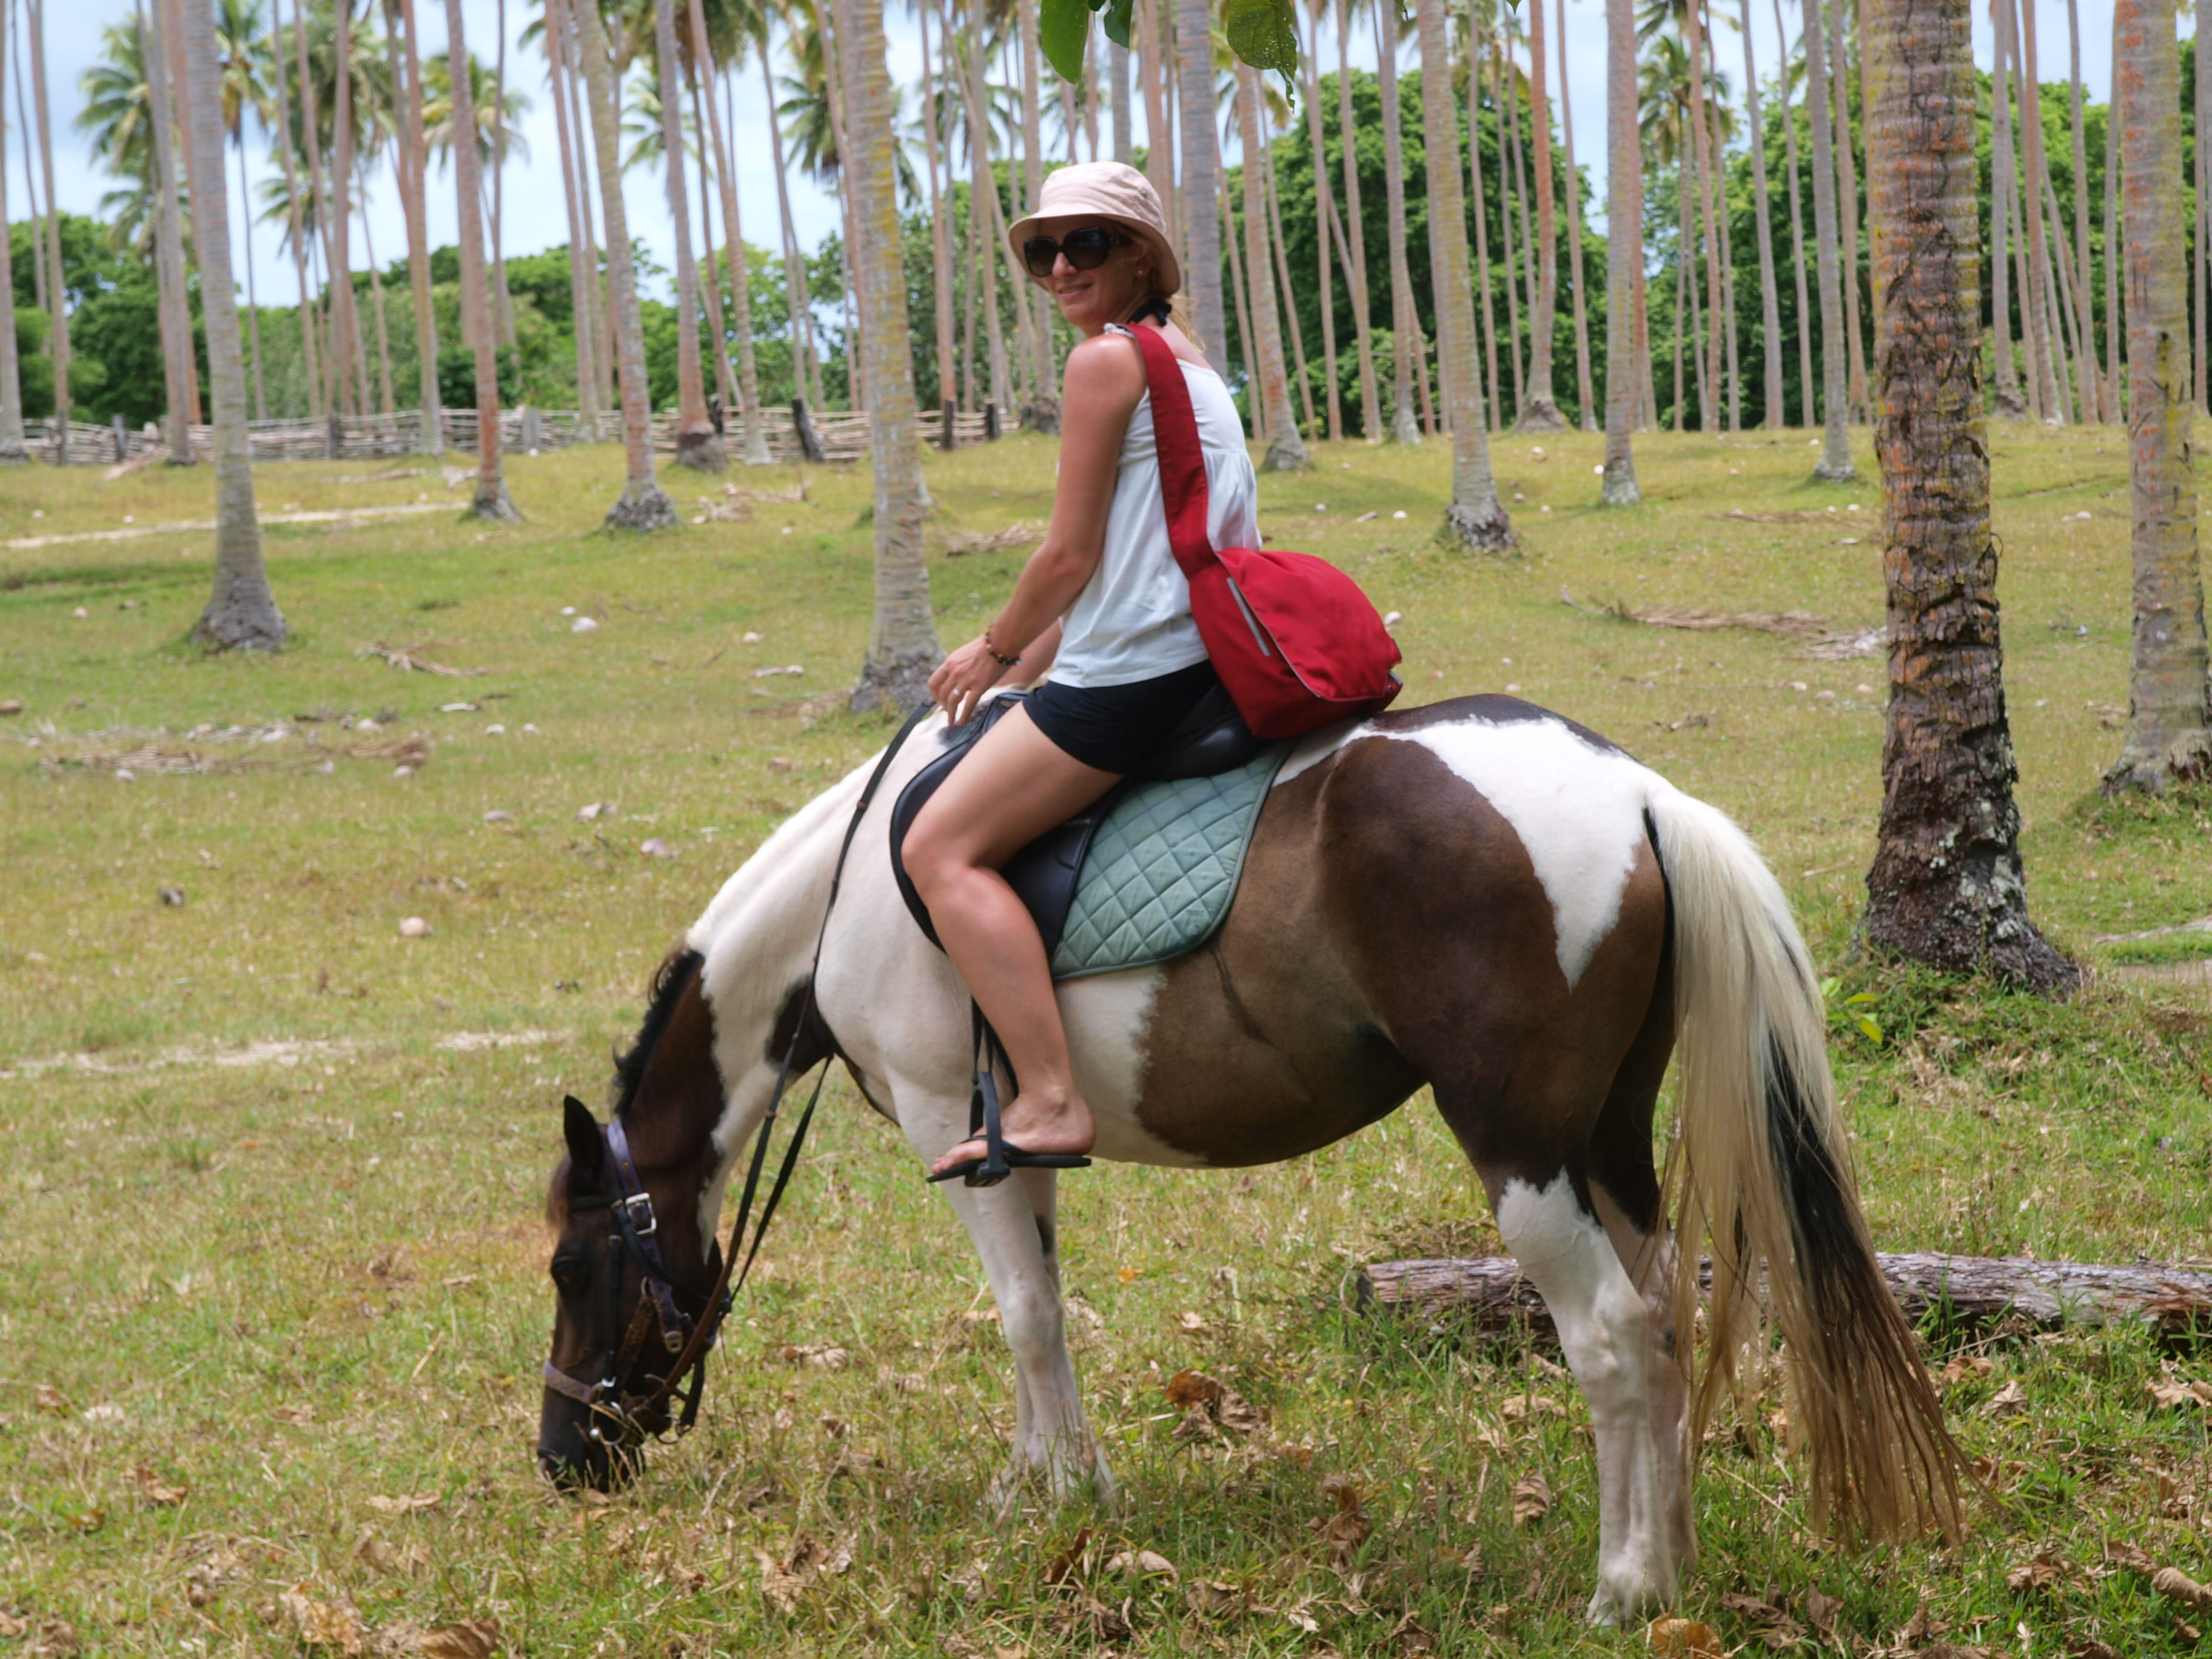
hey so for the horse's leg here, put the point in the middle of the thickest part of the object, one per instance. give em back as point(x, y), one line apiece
point(1624, 1187)
point(1020, 1257)
point(1552, 1228)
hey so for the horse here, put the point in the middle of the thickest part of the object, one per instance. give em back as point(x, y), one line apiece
point(1479, 895)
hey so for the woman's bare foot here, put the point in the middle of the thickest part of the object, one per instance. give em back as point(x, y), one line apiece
point(1035, 1123)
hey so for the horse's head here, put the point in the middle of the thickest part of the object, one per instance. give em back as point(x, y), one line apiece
point(632, 1280)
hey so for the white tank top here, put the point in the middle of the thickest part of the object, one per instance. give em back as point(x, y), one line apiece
point(1131, 622)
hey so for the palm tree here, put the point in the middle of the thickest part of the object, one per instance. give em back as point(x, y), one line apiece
point(2036, 308)
point(902, 644)
point(414, 181)
point(2169, 737)
point(1044, 404)
point(1539, 410)
point(698, 446)
point(1624, 251)
point(335, 354)
point(344, 320)
point(1325, 200)
point(1405, 321)
point(1200, 176)
point(1285, 450)
point(2010, 405)
point(934, 112)
point(241, 613)
point(1847, 204)
point(293, 205)
point(1835, 463)
point(1476, 517)
point(1370, 412)
point(240, 31)
point(1583, 390)
point(1770, 300)
point(1947, 886)
point(643, 505)
point(705, 62)
point(2083, 297)
point(492, 501)
point(1804, 312)
point(13, 452)
point(57, 336)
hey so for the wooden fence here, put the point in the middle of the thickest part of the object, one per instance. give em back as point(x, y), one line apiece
point(794, 433)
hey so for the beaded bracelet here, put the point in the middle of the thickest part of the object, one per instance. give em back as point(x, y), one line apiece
point(1003, 661)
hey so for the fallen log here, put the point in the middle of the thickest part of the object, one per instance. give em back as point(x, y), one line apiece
point(1491, 1294)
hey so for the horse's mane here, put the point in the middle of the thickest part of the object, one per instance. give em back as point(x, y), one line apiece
point(673, 977)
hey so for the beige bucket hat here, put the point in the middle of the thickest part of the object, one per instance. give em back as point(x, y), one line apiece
point(1107, 189)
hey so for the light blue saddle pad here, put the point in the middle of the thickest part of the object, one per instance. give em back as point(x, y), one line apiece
point(1162, 869)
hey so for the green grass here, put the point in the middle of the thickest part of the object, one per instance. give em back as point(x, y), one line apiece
point(312, 1279)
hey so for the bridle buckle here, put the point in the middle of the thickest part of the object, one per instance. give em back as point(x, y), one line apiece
point(637, 1205)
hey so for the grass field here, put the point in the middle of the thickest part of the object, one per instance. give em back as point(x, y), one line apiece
point(271, 1291)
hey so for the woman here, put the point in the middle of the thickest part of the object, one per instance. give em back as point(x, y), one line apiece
point(1102, 605)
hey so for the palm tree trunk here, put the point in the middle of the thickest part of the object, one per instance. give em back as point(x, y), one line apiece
point(335, 362)
point(1847, 205)
point(1493, 398)
point(169, 259)
point(1308, 65)
point(2008, 405)
point(1287, 451)
point(698, 446)
point(240, 614)
point(1117, 91)
point(741, 308)
point(253, 300)
point(1701, 335)
point(902, 644)
point(13, 450)
point(579, 284)
point(1624, 251)
point(1172, 138)
point(710, 281)
point(1507, 154)
point(1584, 393)
point(2202, 263)
point(595, 270)
point(311, 357)
point(1370, 408)
point(1044, 407)
point(1201, 169)
point(1157, 71)
point(1946, 887)
point(1405, 325)
point(1288, 296)
point(940, 234)
point(2084, 270)
point(642, 505)
point(808, 367)
point(1707, 165)
point(1240, 303)
point(345, 318)
point(491, 500)
point(2169, 734)
point(983, 203)
point(1476, 517)
point(376, 296)
point(1540, 413)
point(2113, 282)
point(2059, 296)
point(2042, 388)
point(2036, 168)
point(1090, 34)
point(503, 301)
point(1804, 312)
point(178, 70)
point(1770, 300)
point(1835, 463)
point(1647, 383)
point(1728, 264)
point(57, 340)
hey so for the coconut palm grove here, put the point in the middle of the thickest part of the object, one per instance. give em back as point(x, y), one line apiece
point(403, 640)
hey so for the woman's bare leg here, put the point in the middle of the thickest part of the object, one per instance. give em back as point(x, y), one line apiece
point(1014, 785)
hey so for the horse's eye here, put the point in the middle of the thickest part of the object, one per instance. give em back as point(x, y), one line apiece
point(568, 1274)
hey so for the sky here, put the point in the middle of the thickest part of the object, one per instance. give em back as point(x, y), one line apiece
point(533, 211)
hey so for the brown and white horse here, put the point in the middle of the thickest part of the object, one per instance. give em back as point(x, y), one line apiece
point(1478, 896)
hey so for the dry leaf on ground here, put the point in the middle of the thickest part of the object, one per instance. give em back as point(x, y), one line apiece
point(1346, 1529)
point(1143, 1564)
point(2177, 1585)
point(2044, 1570)
point(12, 1626)
point(1412, 1638)
point(1209, 1595)
point(382, 1555)
point(1532, 1499)
point(410, 1504)
point(466, 1639)
point(2172, 1391)
point(1768, 1622)
point(2008, 1401)
point(154, 1490)
point(1528, 1408)
point(1684, 1639)
point(827, 1356)
point(332, 1626)
point(48, 1398)
point(1964, 1368)
point(1072, 1562)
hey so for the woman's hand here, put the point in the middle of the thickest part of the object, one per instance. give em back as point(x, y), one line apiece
point(962, 677)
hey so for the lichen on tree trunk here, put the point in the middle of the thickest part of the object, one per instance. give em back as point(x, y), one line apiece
point(1946, 887)
point(2169, 740)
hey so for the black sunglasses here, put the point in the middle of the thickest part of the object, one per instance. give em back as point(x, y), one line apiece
point(1086, 250)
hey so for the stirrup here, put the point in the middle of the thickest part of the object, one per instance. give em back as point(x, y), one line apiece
point(1001, 1158)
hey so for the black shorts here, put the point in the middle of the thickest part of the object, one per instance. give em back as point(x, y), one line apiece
point(1117, 728)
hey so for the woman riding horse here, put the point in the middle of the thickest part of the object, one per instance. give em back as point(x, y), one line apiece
point(1103, 606)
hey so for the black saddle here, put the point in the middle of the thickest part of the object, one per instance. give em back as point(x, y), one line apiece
point(1213, 738)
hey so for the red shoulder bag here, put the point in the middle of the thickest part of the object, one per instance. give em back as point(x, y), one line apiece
point(1295, 642)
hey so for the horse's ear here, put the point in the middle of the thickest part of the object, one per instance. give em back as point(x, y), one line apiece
point(587, 1146)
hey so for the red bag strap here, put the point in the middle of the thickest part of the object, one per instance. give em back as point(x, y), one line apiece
point(1182, 461)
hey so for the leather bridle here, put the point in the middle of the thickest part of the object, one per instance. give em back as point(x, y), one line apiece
point(684, 1323)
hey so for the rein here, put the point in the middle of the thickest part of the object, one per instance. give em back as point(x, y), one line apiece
point(689, 1339)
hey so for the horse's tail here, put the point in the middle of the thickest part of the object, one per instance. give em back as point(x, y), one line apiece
point(1761, 1176)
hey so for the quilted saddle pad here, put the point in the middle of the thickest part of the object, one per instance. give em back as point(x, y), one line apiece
point(1162, 869)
